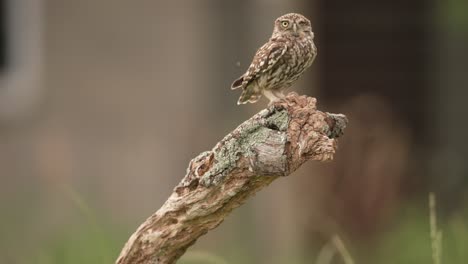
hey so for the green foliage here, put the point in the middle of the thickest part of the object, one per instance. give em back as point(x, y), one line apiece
point(407, 241)
point(80, 245)
point(453, 14)
point(410, 242)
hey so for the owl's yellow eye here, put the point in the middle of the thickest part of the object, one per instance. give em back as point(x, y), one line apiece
point(285, 24)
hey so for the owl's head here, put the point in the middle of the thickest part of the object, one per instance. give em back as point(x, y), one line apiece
point(293, 24)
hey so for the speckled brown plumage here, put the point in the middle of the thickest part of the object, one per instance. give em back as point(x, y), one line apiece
point(280, 61)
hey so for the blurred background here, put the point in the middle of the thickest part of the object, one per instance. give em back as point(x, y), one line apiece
point(104, 102)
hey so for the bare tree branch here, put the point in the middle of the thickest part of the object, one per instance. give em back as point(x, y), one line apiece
point(273, 143)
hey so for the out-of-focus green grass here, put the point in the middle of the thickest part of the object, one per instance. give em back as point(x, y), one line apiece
point(78, 245)
point(407, 240)
point(88, 241)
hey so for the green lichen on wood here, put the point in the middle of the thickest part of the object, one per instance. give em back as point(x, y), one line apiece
point(340, 121)
point(253, 132)
point(326, 129)
point(279, 119)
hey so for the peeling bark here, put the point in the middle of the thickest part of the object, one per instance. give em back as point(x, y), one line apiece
point(273, 143)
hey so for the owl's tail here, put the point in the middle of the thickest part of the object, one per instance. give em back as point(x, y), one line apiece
point(237, 83)
point(249, 95)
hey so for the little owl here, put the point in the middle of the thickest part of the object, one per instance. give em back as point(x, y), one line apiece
point(280, 61)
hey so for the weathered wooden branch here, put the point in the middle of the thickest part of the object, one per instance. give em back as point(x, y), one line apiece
point(273, 143)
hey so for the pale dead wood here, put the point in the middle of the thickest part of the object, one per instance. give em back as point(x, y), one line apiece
point(273, 143)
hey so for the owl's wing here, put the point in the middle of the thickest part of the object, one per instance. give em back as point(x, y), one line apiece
point(265, 58)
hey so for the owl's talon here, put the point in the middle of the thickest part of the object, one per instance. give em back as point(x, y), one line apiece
point(277, 103)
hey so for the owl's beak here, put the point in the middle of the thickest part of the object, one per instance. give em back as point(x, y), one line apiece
point(295, 27)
